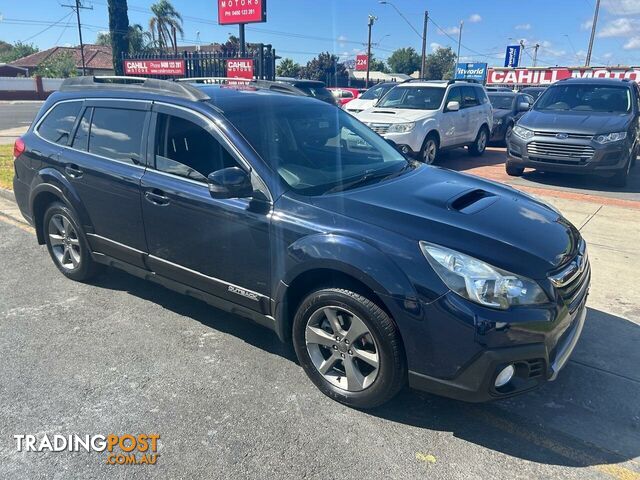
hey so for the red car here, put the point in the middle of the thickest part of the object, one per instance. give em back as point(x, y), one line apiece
point(345, 95)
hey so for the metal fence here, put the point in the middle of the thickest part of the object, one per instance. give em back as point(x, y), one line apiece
point(214, 64)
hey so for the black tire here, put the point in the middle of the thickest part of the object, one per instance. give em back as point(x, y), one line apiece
point(507, 134)
point(619, 179)
point(479, 145)
point(391, 371)
point(513, 171)
point(85, 267)
point(430, 150)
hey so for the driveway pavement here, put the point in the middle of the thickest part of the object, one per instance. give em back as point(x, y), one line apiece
point(229, 401)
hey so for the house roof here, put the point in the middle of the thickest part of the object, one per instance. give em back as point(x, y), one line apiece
point(96, 57)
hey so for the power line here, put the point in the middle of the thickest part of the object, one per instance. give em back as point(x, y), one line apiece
point(45, 29)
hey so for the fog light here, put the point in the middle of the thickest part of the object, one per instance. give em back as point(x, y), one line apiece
point(405, 149)
point(505, 376)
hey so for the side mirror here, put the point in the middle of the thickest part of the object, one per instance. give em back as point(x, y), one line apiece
point(232, 182)
point(453, 106)
point(523, 106)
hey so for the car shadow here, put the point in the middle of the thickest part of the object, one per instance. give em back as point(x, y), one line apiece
point(589, 416)
point(584, 182)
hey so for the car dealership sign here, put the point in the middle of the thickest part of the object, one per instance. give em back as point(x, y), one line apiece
point(154, 67)
point(362, 63)
point(240, 68)
point(241, 11)
point(471, 71)
point(547, 76)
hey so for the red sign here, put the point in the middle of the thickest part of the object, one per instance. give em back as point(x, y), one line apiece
point(154, 67)
point(547, 76)
point(241, 11)
point(362, 63)
point(240, 68)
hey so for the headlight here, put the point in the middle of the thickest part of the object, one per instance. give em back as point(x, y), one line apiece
point(480, 282)
point(522, 132)
point(401, 127)
point(610, 137)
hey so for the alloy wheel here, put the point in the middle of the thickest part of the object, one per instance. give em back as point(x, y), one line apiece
point(65, 243)
point(342, 348)
point(430, 150)
point(482, 141)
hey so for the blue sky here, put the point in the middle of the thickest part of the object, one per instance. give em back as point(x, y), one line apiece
point(302, 28)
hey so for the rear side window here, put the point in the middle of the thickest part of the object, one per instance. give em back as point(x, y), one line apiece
point(117, 134)
point(482, 95)
point(188, 150)
point(81, 140)
point(58, 124)
point(469, 98)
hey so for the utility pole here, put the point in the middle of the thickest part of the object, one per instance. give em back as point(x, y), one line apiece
point(423, 67)
point(535, 54)
point(372, 19)
point(78, 5)
point(593, 33)
point(459, 40)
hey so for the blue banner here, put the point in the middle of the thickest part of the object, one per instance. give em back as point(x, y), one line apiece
point(472, 71)
point(512, 57)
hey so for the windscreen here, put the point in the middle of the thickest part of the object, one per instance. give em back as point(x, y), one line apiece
point(417, 98)
point(501, 102)
point(315, 147)
point(586, 98)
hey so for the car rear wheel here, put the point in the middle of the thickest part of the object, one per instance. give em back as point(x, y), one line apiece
point(67, 243)
point(349, 348)
point(478, 147)
point(514, 171)
point(430, 150)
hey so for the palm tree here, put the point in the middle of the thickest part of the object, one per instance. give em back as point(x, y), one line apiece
point(164, 25)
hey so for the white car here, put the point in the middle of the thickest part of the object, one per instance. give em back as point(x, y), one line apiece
point(369, 98)
point(423, 117)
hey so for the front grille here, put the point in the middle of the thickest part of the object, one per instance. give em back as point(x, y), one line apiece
point(573, 280)
point(379, 128)
point(580, 136)
point(576, 153)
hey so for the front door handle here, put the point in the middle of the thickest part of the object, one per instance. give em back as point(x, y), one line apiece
point(156, 197)
point(73, 170)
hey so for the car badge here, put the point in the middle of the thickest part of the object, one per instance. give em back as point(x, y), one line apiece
point(562, 136)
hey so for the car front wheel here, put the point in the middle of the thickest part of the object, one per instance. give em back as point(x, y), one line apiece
point(513, 170)
point(349, 347)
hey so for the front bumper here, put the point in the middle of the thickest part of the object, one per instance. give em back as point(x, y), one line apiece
point(581, 156)
point(534, 364)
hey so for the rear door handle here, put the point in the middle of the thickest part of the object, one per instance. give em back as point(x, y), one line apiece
point(73, 170)
point(156, 197)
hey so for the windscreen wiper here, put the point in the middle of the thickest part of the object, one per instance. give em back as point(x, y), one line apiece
point(368, 176)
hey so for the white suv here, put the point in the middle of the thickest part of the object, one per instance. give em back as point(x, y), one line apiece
point(423, 117)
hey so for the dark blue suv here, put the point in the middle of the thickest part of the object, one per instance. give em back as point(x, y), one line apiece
point(290, 212)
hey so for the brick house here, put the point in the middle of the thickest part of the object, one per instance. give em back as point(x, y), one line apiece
point(97, 58)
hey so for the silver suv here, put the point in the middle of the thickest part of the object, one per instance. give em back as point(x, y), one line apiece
point(423, 117)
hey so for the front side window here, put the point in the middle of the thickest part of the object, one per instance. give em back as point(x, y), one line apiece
point(469, 98)
point(117, 134)
point(416, 98)
point(188, 150)
point(58, 124)
point(586, 98)
point(317, 148)
point(455, 95)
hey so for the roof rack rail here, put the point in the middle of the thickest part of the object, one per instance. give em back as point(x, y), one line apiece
point(213, 80)
point(469, 80)
point(409, 80)
point(276, 86)
point(151, 85)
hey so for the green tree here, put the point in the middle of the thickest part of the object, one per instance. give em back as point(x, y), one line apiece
point(288, 68)
point(139, 40)
point(9, 53)
point(164, 25)
point(440, 64)
point(376, 65)
point(404, 60)
point(62, 65)
point(119, 32)
point(325, 67)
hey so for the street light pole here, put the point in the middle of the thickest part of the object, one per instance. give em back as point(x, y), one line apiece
point(459, 40)
point(423, 66)
point(593, 33)
point(372, 19)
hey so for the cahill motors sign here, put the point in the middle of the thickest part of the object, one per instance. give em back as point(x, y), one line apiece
point(547, 76)
point(241, 11)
